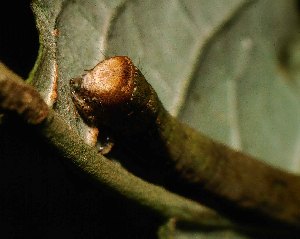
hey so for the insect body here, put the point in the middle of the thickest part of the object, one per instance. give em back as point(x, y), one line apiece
point(111, 94)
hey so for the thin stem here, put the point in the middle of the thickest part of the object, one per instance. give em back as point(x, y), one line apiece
point(115, 95)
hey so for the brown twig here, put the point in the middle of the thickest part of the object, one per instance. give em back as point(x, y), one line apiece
point(17, 97)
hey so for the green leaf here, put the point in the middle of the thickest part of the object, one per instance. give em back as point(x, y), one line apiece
point(214, 64)
point(165, 38)
point(238, 94)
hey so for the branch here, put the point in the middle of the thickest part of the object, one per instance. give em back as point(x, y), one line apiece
point(22, 99)
point(115, 95)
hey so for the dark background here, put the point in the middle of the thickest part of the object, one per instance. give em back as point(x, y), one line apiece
point(18, 37)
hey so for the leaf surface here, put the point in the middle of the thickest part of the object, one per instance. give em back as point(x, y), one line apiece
point(214, 64)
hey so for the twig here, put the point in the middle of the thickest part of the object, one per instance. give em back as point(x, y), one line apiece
point(115, 95)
